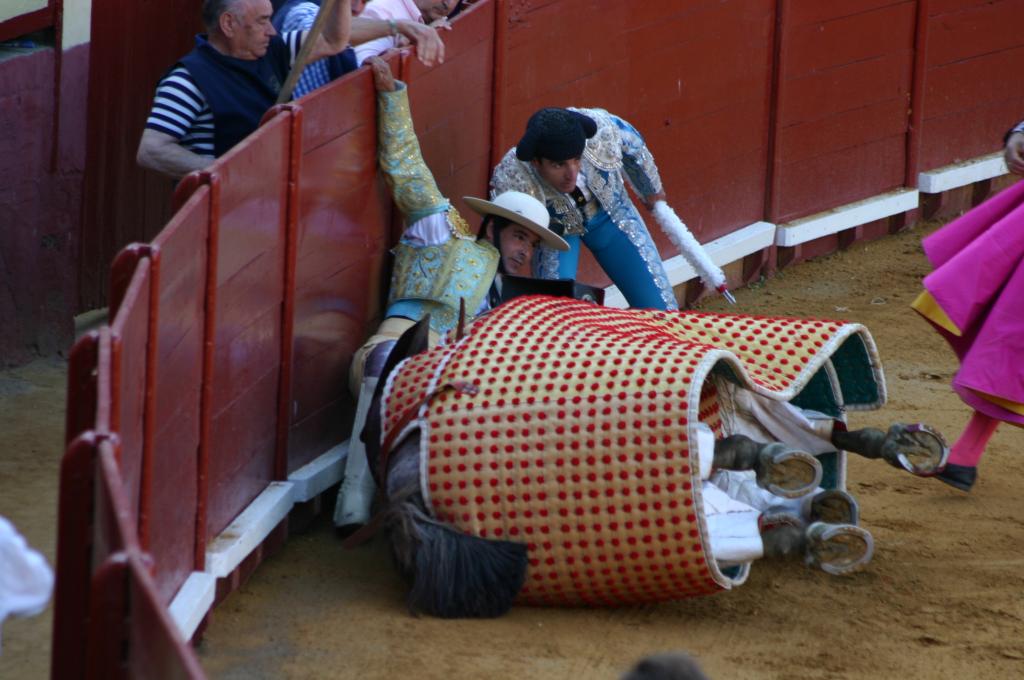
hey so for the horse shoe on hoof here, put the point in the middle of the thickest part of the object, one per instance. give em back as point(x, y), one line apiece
point(787, 472)
point(918, 448)
point(838, 548)
point(835, 506)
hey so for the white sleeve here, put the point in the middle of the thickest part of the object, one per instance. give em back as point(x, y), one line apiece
point(432, 230)
point(373, 48)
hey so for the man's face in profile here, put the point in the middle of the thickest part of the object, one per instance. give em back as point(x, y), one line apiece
point(516, 245)
point(251, 29)
point(559, 174)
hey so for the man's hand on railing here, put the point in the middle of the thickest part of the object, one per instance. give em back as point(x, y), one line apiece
point(429, 47)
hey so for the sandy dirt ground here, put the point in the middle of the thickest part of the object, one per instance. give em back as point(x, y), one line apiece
point(943, 598)
point(31, 444)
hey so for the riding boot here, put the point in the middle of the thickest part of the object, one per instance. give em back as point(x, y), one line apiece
point(352, 508)
point(783, 471)
point(917, 448)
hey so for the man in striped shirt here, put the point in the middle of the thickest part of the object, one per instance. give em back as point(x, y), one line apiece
point(217, 94)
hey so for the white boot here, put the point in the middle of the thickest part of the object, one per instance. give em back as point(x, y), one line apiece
point(356, 492)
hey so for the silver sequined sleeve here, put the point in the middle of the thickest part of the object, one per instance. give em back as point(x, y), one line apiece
point(637, 161)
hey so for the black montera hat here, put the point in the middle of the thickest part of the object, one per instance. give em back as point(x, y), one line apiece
point(555, 134)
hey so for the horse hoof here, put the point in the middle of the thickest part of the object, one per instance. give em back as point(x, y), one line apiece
point(919, 449)
point(838, 548)
point(787, 472)
point(835, 506)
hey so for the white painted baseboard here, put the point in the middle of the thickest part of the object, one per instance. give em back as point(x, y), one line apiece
point(193, 600)
point(846, 217)
point(316, 476)
point(248, 530)
point(961, 174)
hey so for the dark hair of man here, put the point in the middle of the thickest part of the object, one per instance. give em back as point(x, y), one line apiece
point(212, 9)
point(497, 224)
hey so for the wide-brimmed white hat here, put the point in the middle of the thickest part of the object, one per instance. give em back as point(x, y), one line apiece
point(522, 209)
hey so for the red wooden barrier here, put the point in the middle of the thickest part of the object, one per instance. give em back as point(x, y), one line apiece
point(451, 106)
point(343, 214)
point(74, 557)
point(842, 103)
point(129, 366)
point(226, 363)
point(972, 93)
point(130, 634)
point(250, 233)
point(693, 76)
point(179, 257)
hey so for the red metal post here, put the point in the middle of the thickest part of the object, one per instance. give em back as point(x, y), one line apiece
point(149, 397)
point(916, 103)
point(284, 387)
point(772, 183)
point(498, 82)
point(206, 396)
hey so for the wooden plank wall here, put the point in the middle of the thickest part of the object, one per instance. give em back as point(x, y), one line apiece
point(972, 96)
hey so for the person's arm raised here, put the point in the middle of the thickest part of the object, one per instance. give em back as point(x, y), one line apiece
point(336, 31)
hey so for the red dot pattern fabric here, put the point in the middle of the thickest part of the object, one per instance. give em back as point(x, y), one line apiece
point(575, 440)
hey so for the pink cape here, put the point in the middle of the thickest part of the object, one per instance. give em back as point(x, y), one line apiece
point(978, 281)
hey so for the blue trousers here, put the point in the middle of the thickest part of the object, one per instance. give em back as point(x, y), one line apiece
point(620, 259)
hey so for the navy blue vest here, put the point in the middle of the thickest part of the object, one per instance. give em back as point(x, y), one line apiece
point(238, 91)
point(337, 64)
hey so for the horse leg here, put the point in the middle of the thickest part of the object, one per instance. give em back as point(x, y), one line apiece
point(833, 548)
point(782, 470)
point(918, 448)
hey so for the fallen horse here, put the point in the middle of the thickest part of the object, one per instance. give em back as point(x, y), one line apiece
point(561, 453)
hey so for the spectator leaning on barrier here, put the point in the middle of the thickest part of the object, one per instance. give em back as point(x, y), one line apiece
point(298, 15)
point(1014, 151)
point(217, 93)
point(431, 14)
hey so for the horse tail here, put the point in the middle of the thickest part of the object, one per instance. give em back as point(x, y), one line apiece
point(454, 575)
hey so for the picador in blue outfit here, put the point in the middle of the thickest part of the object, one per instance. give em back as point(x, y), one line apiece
point(217, 93)
point(442, 264)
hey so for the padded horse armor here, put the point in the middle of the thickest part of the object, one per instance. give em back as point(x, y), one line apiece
point(567, 427)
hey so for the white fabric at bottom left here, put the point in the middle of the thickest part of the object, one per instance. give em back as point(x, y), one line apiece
point(26, 580)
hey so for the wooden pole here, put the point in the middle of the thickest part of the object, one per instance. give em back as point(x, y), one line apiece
point(326, 9)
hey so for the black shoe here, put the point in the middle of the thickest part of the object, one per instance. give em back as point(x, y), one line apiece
point(960, 476)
